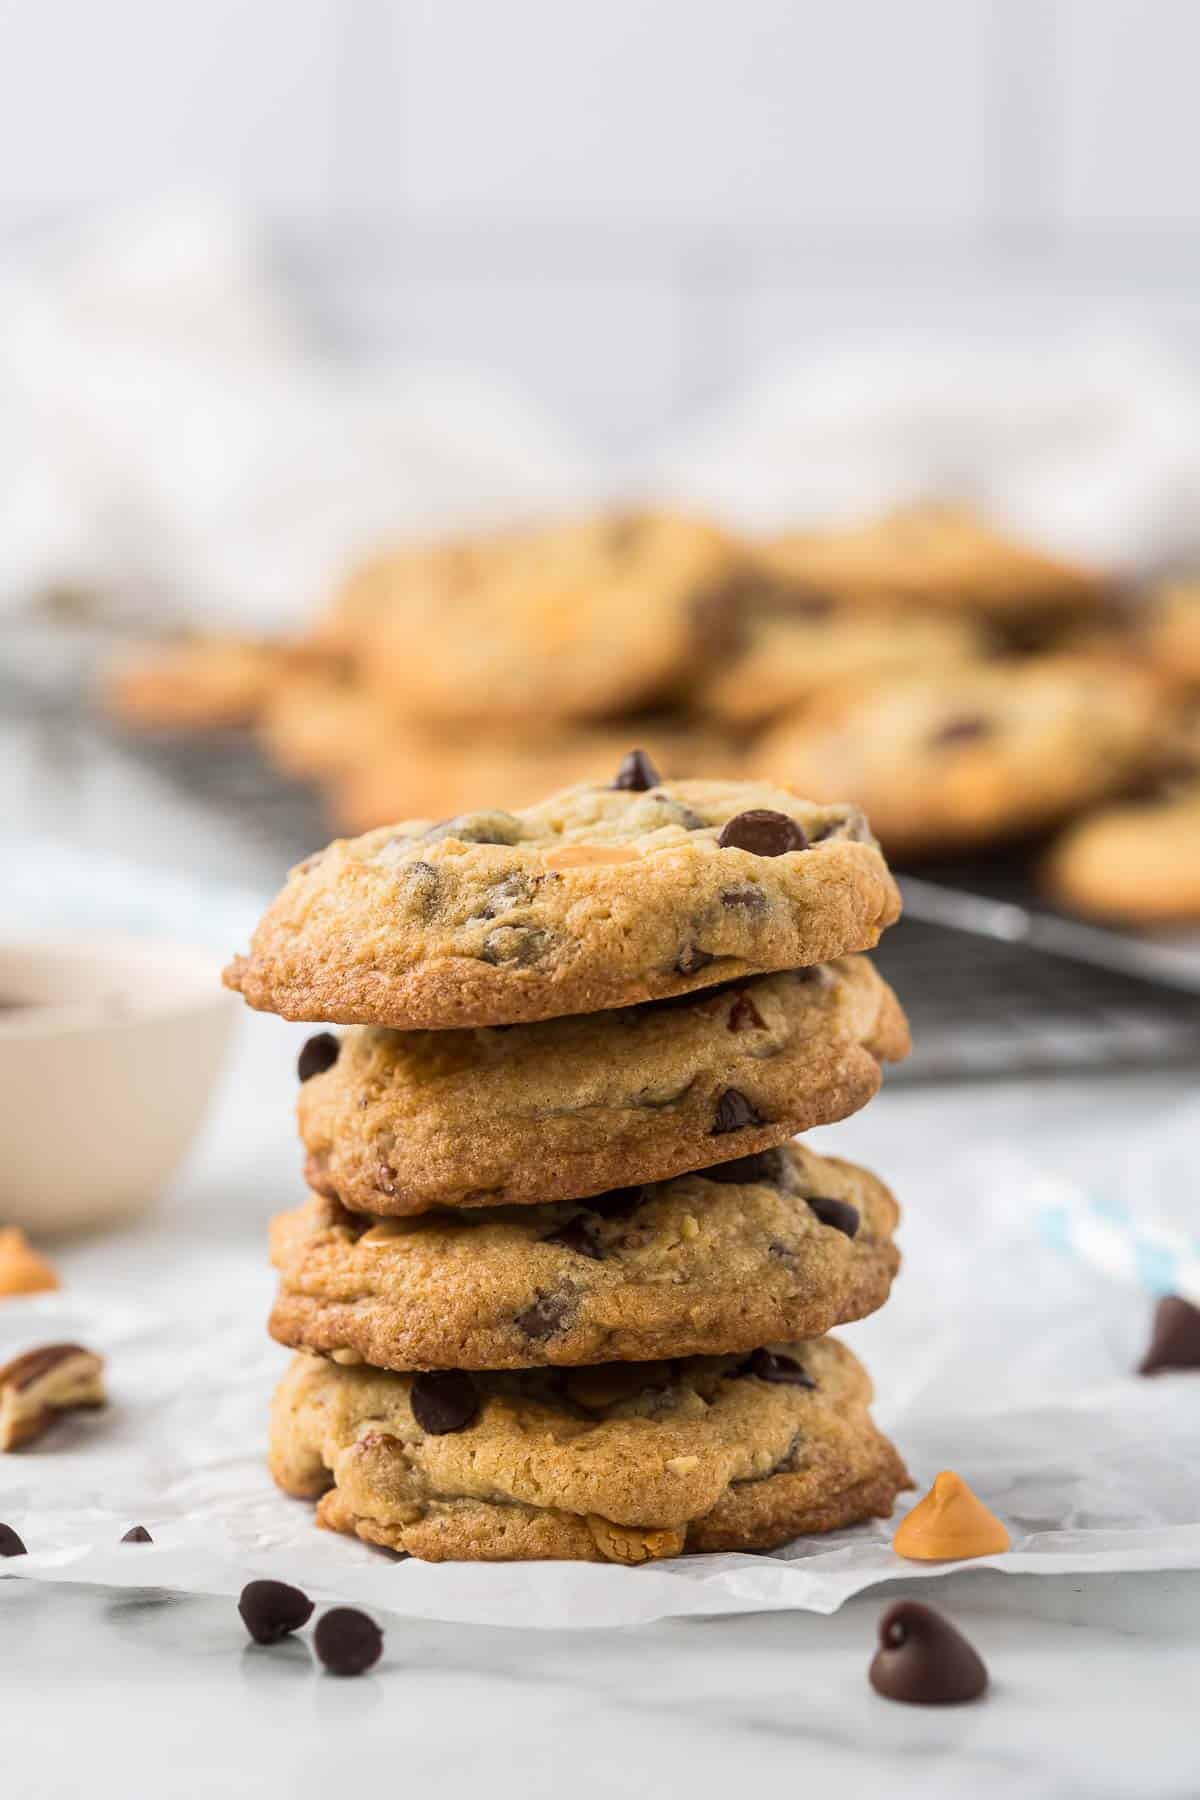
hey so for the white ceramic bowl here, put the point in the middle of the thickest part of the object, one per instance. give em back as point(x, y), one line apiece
point(109, 1049)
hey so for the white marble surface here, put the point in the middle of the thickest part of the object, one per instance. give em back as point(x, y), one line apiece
point(150, 1693)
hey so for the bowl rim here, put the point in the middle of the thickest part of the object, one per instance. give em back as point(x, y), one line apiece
point(194, 989)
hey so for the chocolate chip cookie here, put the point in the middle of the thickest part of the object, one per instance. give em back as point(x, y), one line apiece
point(1137, 864)
point(194, 684)
point(601, 896)
point(975, 756)
point(622, 1463)
point(403, 1121)
point(945, 558)
point(582, 619)
point(783, 658)
point(784, 1244)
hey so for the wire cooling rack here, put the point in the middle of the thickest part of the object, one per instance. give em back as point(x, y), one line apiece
point(984, 999)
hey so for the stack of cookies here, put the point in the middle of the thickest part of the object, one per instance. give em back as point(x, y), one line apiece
point(562, 1284)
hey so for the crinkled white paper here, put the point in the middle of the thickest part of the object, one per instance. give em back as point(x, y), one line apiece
point(996, 1357)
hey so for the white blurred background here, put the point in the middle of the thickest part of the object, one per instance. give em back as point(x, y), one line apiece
point(628, 207)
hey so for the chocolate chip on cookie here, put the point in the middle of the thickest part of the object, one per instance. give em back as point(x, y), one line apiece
point(692, 959)
point(477, 828)
point(766, 1365)
point(319, 1053)
point(838, 1213)
point(744, 1015)
point(762, 832)
point(577, 1235)
point(770, 1166)
point(637, 774)
point(734, 1113)
point(444, 1400)
point(549, 1315)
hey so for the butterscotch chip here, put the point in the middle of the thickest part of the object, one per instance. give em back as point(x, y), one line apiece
point(705, 1453)
point(22, 1270)
point(36, 1387)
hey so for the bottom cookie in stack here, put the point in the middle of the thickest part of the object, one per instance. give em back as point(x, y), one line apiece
point(614, 1462)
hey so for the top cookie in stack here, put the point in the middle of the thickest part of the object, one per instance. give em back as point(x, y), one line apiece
point(565, 1283)
point(600, 897)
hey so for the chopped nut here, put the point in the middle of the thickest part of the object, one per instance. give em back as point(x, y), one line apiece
point(44, 1382)
point(689, 1227)
point(683, 1465)
point(22, 1270)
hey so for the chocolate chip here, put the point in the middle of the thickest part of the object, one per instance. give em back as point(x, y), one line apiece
point(549, 1314)
point(577, 1235)
point(637, 774)
point(477, 828)
point(965, 730)
point(838, 1213)
point(10, 1543)
point(272, 1609)
point(319, 1053)
point(681, 814)
point(745, 1016)
point(347, 1641)
point(444, 1400)
point(763, 833)
point(748, 898)
point(770, 1166)
point(137, 1534)
point(617, 1203)
point(502, 896)
point(734, 1113)
point(853, 828)
point(517, 944)
point(422, 886)
point(924, 1660)
point(766, 1366)
point(692, 959)
point(1175, 1339)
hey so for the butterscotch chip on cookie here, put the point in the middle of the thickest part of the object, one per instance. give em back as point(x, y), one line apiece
point(625, 1463)
point(402, 1121)
point(974, 756)
point(782, 1244)
point(36, 1387)
point(601, 896)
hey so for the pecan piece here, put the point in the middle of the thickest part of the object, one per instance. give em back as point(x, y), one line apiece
point(36, 1387)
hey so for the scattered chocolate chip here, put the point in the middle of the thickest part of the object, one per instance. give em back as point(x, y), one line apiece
point(319, 1053)
point(444, 1400)
point(681, 814)
point(549, 1314)
point(763, 833)
point(745, 1016)
point(477, 828)
point(838, 1213)
point(347, 1641)
point(10, 1543)
point(924, 1660)
point(770, 1166)
point(637, 774)
point(965, 730)
point(692, 959)
point(766, 1366)
point(137, 1534)
point(1175, 1338)
point(734, 1113)
point(502, 896)
point(272, 1609)
point(748, 898)
point(519, 944)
